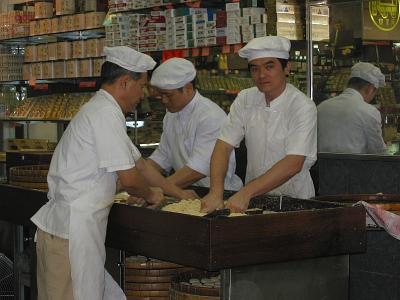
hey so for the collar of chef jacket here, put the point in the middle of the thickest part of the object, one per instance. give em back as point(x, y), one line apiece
point(186, 112)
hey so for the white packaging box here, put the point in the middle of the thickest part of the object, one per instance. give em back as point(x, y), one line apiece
point(221, 31)
point(247, 36)
point(232, 7)
point(248, 11)
point(211, 41)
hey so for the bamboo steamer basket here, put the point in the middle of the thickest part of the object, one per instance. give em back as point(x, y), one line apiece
point(147, 278)
point(181, 289)
point(32, 176)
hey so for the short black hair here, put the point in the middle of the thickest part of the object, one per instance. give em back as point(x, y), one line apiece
point(357, 83)
point(193, 82)
point(110, 72)
point(283, 62)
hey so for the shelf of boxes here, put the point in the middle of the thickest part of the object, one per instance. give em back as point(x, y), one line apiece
point(68, 59)
point(61, 107)
point(132, 5)
point(185, 27)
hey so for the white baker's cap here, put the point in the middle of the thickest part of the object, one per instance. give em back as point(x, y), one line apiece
point(172, 74)
point(369, 73)
point(267, 46)
point(128, 58)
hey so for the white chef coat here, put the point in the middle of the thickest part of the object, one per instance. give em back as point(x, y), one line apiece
point(347, 124)
point(82, 182)
point(287, 127)
point(189, 137)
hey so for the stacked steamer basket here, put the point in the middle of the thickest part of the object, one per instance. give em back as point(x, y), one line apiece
point(149, 279)
point(34, 177)
point(196, 285)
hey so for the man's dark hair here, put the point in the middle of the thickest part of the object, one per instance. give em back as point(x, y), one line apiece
point(357, 83)
point(193, 82)
point(110, 72)
point(283, 62)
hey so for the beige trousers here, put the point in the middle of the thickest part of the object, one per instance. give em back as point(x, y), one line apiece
point(53, 268)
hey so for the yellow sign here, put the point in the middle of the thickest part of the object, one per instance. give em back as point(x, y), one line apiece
point(385, 14)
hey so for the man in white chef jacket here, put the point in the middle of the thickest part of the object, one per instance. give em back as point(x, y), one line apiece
point(348, 123)
point(190, 128)
point(93, 152)
point(279, 124)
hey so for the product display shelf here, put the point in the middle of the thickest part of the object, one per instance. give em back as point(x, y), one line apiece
point(56, 37)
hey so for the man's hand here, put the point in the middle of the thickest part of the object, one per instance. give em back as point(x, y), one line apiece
point(238, 202)
point(189, 194)
point(135, 200)
point(211, 202)
point(155, 197)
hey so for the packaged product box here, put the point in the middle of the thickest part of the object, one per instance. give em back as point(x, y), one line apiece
point(64, 50)
point(26, 71)
point(34, 28)
point(30, 53)
point(52, 51)
point(37, 70)
point(44, 26)
point(78, 49)
point(59, 69)
point(71, 68)
point(56, 25)
point(79, 21)
point(85, 68)
point(48, 70)
point(42, 52)
point(43, 9)
point(97, 63)
point(94, 19)
point(65, 7)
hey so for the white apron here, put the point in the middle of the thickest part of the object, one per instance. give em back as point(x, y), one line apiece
point(87, 232)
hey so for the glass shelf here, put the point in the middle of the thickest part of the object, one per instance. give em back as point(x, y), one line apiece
point(56, 37)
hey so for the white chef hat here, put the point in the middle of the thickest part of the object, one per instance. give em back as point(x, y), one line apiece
point(128, 58)
point(369, 73)
point(174, 73)
point(267, 46)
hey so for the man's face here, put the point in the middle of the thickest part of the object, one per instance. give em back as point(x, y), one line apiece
point(268, 74)
point(174, 100)
point(135, 91)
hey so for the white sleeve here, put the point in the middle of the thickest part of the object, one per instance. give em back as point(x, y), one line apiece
point(302, 138)
point(373, 133)
point(114, 150)
point(233, 130)
point(207, 132)
point(161, 155)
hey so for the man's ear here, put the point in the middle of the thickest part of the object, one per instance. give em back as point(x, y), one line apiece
point(287, 68)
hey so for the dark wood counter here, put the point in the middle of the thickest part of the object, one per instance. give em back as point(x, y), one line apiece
point(318, 230)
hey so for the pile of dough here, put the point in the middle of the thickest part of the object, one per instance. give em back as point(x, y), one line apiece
point(188, 207)
point(191, 207)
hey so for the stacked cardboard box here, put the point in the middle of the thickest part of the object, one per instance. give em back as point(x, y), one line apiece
point(190, 27)
point(15, 23)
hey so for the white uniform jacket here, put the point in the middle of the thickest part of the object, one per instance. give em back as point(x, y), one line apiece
point(82, 182)
point(189, 137)
point(347, 124)
point(288, 126)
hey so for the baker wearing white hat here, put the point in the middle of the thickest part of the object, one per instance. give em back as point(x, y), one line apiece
point(278, 123)
point(93, 152)
point(347, 123)
point(190, 127)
